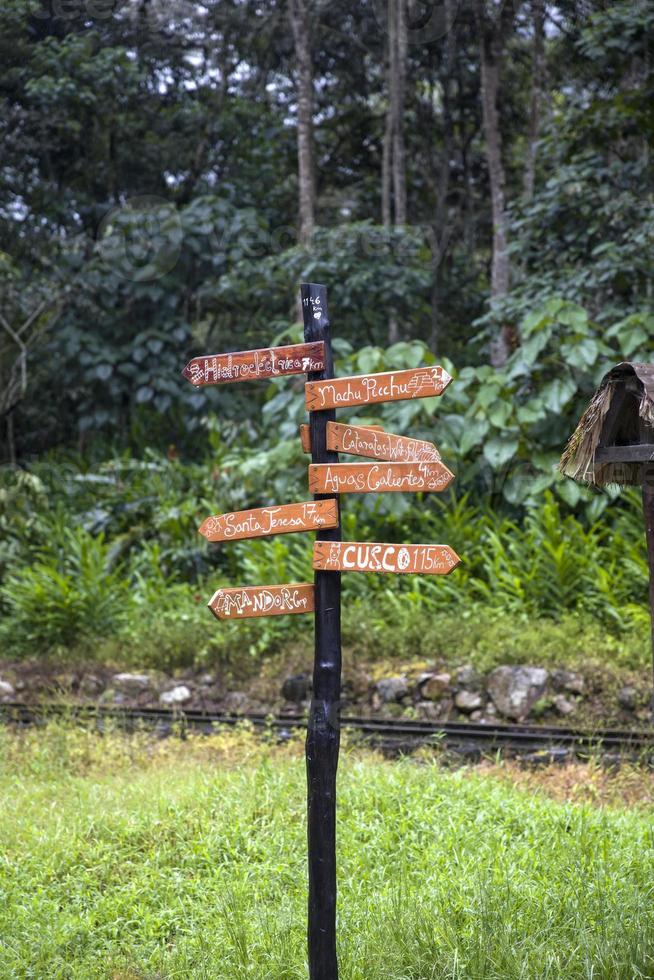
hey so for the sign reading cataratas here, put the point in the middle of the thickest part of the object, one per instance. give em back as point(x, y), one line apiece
point(403, 559)
point(284, 519)
point(377, 444)
point(262, 600)
point(366, 389)
point(247, 365)
point(305, 435)
point(378, 477)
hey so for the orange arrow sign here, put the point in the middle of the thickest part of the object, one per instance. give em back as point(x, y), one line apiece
point(305, 435)
point(262, 600)
point(366, 389)
point(361, 441)
point(247, 365)
point(285, 519)
point(378, 477)
point(403, 559)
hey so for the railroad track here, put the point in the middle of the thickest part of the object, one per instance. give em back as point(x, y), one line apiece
point(467, 739)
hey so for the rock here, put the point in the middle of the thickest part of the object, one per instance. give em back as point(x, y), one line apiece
point(428, 710)
point(435, 686)
point(628, 698)
point(544, 757)
point(491, 710)
point(237, 703)
point(7, 691)
point(131, 683)
point(566, 680)
point(207, 680)
point(392, 689)
point(477, 716)
point(515, 689)
point(468, 677)
point(290, 708)
point(468, 701)
point(90, 686)
point(358, 683)
point(178, 695)
point(296, 688)
point(562, 705)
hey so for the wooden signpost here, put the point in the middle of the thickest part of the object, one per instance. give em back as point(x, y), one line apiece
point(262, 600)
point(377, 477)
point(265, 521)
point(369, 389)
point(402, 465)
point(248, 365)
point(401, 559)
point(372, 442)
point(356, 440)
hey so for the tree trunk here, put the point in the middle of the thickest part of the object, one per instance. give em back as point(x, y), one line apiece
point(537, 81)
point(300, 23)
point(442, 229)
point(399, 99)
point(394, 150)
point(491, 54)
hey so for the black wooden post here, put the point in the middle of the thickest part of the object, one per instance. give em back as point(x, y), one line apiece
point(648, 511)
point(323, 735)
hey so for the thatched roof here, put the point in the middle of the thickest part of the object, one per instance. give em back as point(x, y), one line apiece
point(632, 416)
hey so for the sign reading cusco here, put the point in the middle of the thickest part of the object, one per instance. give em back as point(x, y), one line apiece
point(262, 600)
point(284, 519)
point(248, 365)
point(366, 389)
point(379, 477)
point(402, 559)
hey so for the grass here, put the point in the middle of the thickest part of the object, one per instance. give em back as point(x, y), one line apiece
point(131, 859)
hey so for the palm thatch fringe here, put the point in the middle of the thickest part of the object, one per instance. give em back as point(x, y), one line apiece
point(578, 459)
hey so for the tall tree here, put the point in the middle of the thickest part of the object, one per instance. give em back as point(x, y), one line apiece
point(494, 22)
point(301, 25)
point(537, 86)
point(394, 151)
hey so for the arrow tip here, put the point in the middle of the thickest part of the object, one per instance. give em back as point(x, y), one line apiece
point(188, 374)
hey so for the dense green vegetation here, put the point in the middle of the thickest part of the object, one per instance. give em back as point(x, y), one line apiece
point(124, 859)
point(106, 561)
point(153, 208)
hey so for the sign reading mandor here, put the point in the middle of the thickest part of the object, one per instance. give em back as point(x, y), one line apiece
point(262, 600)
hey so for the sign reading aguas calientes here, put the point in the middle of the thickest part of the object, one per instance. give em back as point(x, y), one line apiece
point(248, 365)
point(283, 519)
point(262, 600)
point(402, 559)
point(367, 389)
point(379, 477)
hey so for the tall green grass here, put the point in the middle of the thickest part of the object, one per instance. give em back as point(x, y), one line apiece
point(120, 862)
point(113, 555)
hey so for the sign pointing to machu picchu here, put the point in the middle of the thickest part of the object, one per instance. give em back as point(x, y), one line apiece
point(379, 477)
point(402, 559)
point(284, 519)
point(249, 365)
point(366, 389)
point(262, 600)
